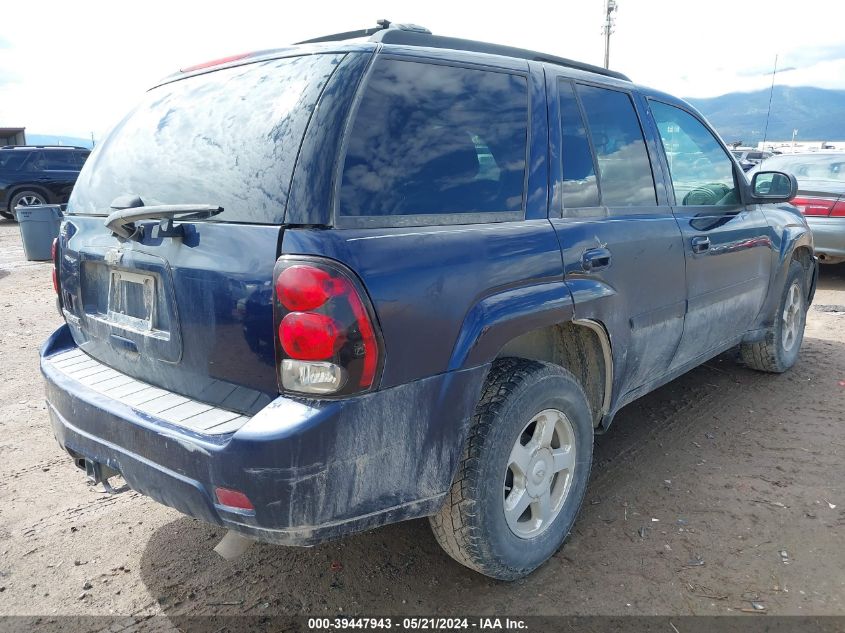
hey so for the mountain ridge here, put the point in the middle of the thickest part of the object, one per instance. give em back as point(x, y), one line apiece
point(741, 116)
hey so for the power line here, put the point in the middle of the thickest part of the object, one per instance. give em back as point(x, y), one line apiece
point(769, 111)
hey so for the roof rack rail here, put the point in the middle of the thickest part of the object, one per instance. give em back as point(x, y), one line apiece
point(44, 147)
point(382, 26)
point(412, 35)
point(414, 38)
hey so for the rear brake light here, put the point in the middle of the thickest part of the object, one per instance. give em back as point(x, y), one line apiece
point(813, 206)
point(309, 336)
point(215, 62)
point(838, 210)
point(326, 339)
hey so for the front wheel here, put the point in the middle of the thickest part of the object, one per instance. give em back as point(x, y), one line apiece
point(778, 350)
point(523, 473)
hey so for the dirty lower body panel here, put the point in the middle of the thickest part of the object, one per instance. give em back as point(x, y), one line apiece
point(313, 470)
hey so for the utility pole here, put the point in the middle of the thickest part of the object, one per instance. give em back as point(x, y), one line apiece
point(607, 29)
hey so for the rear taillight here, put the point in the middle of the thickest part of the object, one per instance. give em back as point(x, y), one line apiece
point(326, 340)
point(838, 210)
point(54, 255)
point(215, 62)
point(814, 206)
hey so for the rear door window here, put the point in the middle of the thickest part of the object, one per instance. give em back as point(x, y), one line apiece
point(228, 138)
point(59, 160)
point(431, 140)
point(624, 168)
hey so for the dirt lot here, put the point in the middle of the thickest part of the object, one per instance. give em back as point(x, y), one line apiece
point(724, 487)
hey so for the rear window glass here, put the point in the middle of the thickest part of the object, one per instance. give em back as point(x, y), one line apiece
point(804, 167)
point(227, 138)
point(436, 139)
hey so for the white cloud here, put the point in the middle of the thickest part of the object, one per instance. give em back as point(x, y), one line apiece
point(91, 61)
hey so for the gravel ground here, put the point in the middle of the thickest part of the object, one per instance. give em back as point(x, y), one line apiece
point(723, 488)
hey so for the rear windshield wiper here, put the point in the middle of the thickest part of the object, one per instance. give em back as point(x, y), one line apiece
point(122, 220)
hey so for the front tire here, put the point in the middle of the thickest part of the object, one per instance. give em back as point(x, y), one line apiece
point(523, 473)
point(779, 349)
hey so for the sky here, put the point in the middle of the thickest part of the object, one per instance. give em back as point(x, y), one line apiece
point(75, 68)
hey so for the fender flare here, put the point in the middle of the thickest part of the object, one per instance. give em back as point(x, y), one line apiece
point(501, 317)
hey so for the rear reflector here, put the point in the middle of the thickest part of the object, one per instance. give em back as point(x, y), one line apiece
point(215, 62)
point(814, 206)
point(233, 499)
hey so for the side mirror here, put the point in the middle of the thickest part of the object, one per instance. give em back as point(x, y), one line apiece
point(773, 186)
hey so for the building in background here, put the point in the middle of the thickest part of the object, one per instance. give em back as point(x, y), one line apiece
point(12, 136)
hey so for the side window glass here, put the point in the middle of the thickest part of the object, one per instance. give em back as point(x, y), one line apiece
point(80, 157)
point(435, 139)
point(579, 188)
point(625, 177)
point(60, 160)
point(36, 162)
point(702, 173)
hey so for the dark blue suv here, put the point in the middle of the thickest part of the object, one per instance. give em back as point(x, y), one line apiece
point(389, 275)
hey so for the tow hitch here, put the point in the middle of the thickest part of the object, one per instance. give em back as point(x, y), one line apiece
point(98, 473)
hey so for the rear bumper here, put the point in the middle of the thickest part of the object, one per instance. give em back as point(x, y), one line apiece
point(828, 236)
point(313, 470)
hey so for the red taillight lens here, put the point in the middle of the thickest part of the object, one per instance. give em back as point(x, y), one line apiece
point(309, 336)
point(813, 206)
point(54, 255)
point(303, 288)
point(326, 341)
point(233, 499)
point(838, 210)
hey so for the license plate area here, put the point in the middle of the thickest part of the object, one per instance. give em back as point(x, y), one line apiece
point(132, 300)
point(127, 309)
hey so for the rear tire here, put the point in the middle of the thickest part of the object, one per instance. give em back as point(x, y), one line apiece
point(25, 198)
point(778, 351)
point(523, 473)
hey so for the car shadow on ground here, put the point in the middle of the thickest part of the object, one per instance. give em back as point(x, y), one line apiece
point(396, 569)
point(400, 569)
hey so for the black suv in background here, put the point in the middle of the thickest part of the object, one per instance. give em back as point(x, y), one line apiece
point(37, 174)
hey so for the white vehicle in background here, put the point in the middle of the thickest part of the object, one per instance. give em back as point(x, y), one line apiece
point(748, 157)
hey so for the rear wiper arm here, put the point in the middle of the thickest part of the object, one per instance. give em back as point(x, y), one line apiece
point(121, 222)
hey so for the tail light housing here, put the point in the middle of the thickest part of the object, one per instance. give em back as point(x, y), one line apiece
point(815, 206)
point(327, 340)
point(54, 255)
point(838, 210)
